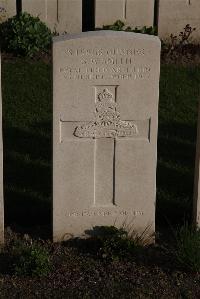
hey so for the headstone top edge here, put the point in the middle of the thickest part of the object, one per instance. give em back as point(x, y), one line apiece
point(105, 33)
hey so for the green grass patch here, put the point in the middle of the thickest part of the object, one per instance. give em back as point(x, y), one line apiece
point(179, 95)
point(188, 247)
point(27, 119)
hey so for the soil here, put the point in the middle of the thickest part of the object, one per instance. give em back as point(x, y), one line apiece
point(78, 271)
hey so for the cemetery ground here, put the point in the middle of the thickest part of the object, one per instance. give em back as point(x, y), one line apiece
point(31, 266)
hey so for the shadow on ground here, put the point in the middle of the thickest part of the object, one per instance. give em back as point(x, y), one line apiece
point(27, 177)
point(175, 173)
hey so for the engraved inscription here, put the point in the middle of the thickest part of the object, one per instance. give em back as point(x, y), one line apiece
point(105, 213)
point(107, 121)
point(104, 51)
point(104, 64)
point(107, 72)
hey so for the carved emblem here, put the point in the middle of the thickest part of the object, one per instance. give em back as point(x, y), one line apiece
point(107, 122)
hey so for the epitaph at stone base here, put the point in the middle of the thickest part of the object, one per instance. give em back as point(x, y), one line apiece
point(105, 114)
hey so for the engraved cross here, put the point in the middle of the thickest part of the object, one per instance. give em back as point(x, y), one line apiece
point(106, 128)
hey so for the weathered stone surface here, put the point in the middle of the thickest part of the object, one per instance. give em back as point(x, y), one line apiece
point(105, 114)
point(69, 16)
point(174, 15)
point(132, 12)
point(7, 9)
point(1, 170)
point(59, 15)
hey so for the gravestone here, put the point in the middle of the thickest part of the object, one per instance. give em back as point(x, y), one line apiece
point(1, 171)
point(196, 201)
point(174, 15)
point(7, 9)
point(60, 15)
point(135, 13)
point(105, 115)
point(69, 16)
point(44, 9)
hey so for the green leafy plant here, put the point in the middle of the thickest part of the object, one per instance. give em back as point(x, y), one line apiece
point(116, 243)
point(120, 26)
point(117, 26)
point(24, 35)
point(30, 259)
point(188, 247)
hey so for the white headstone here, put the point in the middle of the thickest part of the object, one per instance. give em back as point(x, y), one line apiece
point(1, 170)
point(105, 114)
point(69, 16)
point(174, 15)
point(59, 15)
point(135, 13)
point(7, 9)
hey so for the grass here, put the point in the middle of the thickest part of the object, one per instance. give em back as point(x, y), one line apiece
point(179, 95)
point(27, 116)
point(188, 248)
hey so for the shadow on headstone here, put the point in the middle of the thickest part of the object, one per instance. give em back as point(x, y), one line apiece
point(96, 236)
point(99, 236)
